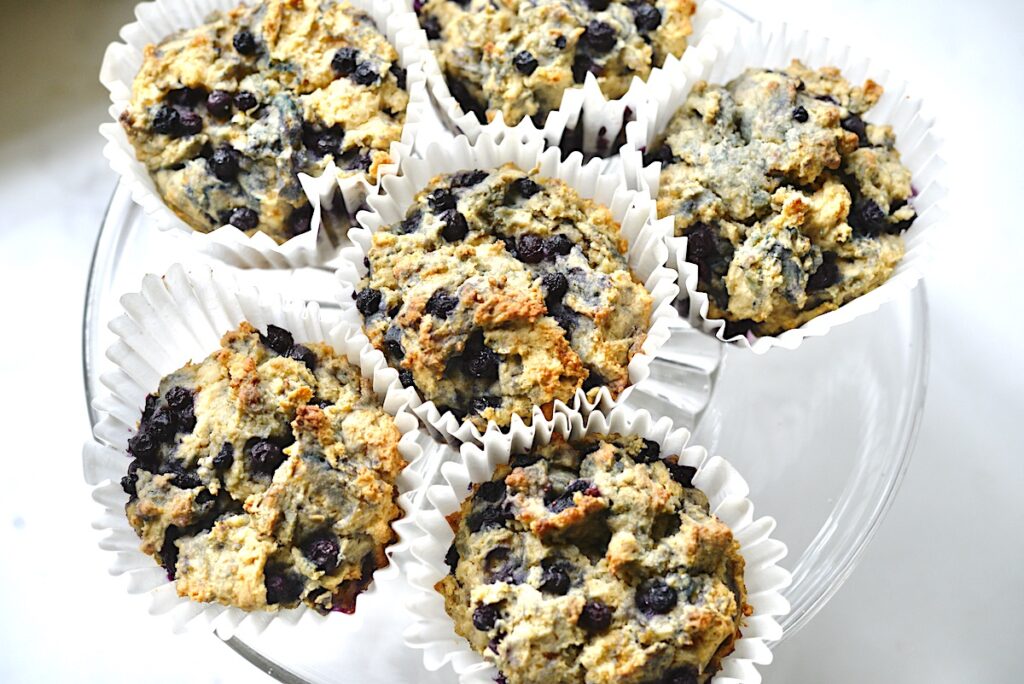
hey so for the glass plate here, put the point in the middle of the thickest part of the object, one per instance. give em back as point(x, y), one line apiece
point(823, 435)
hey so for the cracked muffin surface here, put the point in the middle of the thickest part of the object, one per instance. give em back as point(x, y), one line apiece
point(500, 291)
point(264, 476)
point(225, 116)
point(518, 57)
point(792, 204)
point(595, 560)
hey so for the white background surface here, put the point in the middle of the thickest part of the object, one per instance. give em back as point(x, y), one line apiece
point(939, 596)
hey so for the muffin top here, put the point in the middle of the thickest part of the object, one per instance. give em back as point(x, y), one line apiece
point(517, 57)
point(224, 116)
point(264, 476)
point(595, 561)
point(500, 291)
point(792, 204)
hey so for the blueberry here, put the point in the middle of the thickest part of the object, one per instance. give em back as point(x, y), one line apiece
point(683, 474)
point(524, 62)
point(441, 199)
point(595, 616)
point(365, 74)
point(244, 218)
point(650, 452)
point(368, 301)
point(661, 154)
point(150, 407)
point(522, 460)
point(866, 217)
point(303, 354)
point(557, 245)
point(455, 226)
point(169, 550)
point(451, 558)
point(441, 304)
point(485, 617)
point(166, 120)
point(224, 163)
point(393, 343)
point(600, 36)
point(564, 316)
point(184, 478)
point(682, 675)
point(560, 42)
point(598, 5)
point(488, 516)
point(244, 100)
point(647, 17)
point(301, 220)
point(555, 579)
point(484, 402)
point(218, 103)
point(162, 425)
point(264, 456)
point(431, 26)
point(185, 418)
point(556, 285)
point(225, 458)
point(189, 123)
point(492, 491)
point(800, 115)
point(559, 503)
point(355, 159)
point(129, 481)
point(405, 377)
point(526, 187)
point(143, 446)
point(410, 224)
point(701, 249)
point(244, 42)
point(282, 587)
point(654, 597)
point(400, 75)
point(179, 398)
point(322, 549)
point(483, 365)
point(277, 339)
point(530, 248)
point(324, 142)
point(855, 124)
point(826, 275)
point(185, 97)
point(467, 179)
point(344, 61)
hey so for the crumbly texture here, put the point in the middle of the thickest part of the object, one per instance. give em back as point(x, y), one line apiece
point(595, 561)
point(264, 476)
point(792, 204)
point(517, 57)
point(500, 291)
point(225, 116)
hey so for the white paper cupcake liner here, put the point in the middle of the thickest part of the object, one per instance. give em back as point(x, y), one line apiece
point(433, 631)
point(724, 57)
point(633, 210)
point(161, 18)
point(586, 121)
point(176, 318)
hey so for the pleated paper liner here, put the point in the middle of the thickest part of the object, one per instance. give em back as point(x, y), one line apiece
point(633, 210)
point(162, 18)
point(179, 317)
point(433, 631)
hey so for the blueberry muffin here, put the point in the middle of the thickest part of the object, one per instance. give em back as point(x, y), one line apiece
point(264, 476)
point(225, 116)
point(517, 57)
point(500, 291)
point(595, 561)
point(792, 203)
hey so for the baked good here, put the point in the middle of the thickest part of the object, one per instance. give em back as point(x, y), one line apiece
point(595, 561)
point(500, 291)
point(264, 476)
point(225, 116)
point(517, 57)
point(792, 203)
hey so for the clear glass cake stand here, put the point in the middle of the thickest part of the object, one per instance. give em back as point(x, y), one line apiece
point(823, 435)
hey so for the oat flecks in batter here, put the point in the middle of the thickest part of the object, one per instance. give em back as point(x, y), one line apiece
point(264, 476)
point(500, 291)
point(595, 561)
point(226, 115)
point(518, 57)
point(792, 203)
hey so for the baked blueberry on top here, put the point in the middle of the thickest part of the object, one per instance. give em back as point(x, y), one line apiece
point(517, 57)
point(500, 291)
point(792, 203)
point(224, 116)
point(595, 561)
point(264, 476)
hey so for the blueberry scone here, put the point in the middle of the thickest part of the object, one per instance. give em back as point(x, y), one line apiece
point(264, 476)
point(517, 57)
point(792, 203)
point(595, 561)
point(225, 116)
point(500, 291)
